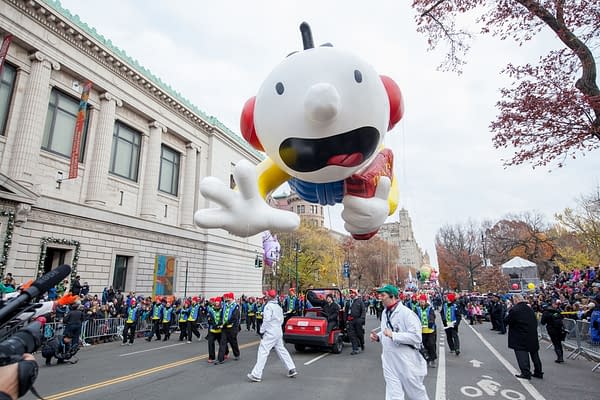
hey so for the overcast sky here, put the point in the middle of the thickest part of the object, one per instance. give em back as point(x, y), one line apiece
point(217, 53)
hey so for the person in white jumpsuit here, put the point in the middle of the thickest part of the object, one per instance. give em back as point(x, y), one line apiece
point(403, 366)
point(272, 337)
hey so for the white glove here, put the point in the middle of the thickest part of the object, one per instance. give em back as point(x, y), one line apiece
point(243, 213)
point(365, 215)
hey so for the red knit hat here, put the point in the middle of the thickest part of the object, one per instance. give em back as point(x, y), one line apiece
point(228, 296)
point(271, 293)
point(423, 297)
point(451, 297)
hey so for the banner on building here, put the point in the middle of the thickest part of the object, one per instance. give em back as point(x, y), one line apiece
point(164, 276)
point(74, 166)
point(4, 50)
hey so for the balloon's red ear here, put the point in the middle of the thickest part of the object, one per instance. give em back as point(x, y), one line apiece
point(396, 101)
point(247, 124)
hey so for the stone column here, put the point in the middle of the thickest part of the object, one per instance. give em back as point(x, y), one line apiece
point(100, 160)
point(30, 130)
point(152, 170)
point(189, 187)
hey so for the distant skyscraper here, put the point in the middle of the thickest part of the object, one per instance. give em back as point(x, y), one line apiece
point(400, 234)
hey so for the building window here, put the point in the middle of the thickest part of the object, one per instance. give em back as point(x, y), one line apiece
point(120, 273)
point(7, 84)
point(302, 209)
point(298, 209)
point(169, 171)
point(60, 125)
point(125, 157)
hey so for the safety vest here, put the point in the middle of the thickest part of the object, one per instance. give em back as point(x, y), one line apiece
point(291, 303)
point(183, 314)
point(156, 310)
point(449, 312)
point(424, 316)
point(194, 312)
point(216, 317)
point(132, 314)
point(251, 309)
point(167, 315)
point(229, 309)
point(259, 311)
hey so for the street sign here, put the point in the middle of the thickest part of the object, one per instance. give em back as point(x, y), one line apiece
point(346, 270)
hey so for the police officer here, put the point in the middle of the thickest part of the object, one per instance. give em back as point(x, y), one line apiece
point(184, 313)
point(132, 314)
point(231, 327)
point(192, 324)
point(553, 319)
point(251, 314)
point(428, 329)
point(355, 313)
point(451, 319)
point(290, 305)
point(214, 315)
point(259, 313)
point(166, 321)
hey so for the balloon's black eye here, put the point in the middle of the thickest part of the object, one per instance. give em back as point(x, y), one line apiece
point(357, 76)
point(279, 88)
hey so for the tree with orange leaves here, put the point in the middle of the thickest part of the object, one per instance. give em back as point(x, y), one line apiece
point(526, 236)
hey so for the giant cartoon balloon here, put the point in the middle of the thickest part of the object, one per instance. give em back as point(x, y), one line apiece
point(425, 272)
point(271, 248)
point(320, 116)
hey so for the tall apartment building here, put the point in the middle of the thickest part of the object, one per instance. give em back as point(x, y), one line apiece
point(401, 234)
point(126, 220)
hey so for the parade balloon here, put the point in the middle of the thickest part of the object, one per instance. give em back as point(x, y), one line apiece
point(320, 116)
point(530, 286)
point(515, 286)
point(425, 272)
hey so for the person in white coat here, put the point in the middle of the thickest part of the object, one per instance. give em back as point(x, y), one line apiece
point(400, 336)
point(271, 337)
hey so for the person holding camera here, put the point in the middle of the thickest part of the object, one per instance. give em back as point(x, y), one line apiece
point(9, 379)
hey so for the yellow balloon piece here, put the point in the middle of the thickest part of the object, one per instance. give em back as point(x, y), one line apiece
point(530, 286)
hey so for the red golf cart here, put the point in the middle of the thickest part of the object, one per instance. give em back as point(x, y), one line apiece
point(310, 329)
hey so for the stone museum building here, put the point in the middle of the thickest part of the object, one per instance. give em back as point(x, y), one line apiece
point(126, 219)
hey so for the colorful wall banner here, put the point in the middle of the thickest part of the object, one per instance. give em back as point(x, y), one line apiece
point(164, 276)
point(74, 166)
point(4, 50)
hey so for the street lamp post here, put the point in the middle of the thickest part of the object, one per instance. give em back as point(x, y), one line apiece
point(296, 249)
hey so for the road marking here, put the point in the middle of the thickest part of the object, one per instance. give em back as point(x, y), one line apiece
point(476, 363)
point(526, 385)
point(440, 385)
point(316, 358)
point(155, 348)
point(125, 378)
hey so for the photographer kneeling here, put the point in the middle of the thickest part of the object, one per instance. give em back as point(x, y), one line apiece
point(61, 347)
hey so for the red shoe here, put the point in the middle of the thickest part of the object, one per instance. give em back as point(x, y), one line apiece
point(210, 361)
point(226, 357)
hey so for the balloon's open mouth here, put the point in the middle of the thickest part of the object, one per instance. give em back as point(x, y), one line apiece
point(347, 149)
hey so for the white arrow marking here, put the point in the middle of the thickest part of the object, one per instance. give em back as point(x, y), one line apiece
point(476, 363)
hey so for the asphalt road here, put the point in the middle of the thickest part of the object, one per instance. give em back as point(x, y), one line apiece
point(177, 370)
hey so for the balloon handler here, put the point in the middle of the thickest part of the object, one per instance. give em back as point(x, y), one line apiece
point(320, 117)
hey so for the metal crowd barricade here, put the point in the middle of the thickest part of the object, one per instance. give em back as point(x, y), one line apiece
point(577, 339)
point(589, 347)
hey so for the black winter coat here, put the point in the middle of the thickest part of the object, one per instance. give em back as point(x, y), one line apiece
point(553, 321)
point(522, 328)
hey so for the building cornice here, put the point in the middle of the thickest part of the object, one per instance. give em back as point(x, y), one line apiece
point(55, 18)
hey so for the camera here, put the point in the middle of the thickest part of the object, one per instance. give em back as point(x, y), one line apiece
point(19, 332)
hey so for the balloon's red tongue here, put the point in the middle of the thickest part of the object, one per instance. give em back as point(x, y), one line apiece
point(346, 160)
